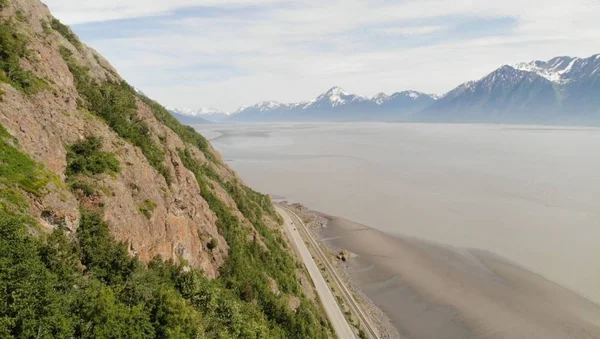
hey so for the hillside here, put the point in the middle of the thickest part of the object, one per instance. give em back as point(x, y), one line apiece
point(118, 221)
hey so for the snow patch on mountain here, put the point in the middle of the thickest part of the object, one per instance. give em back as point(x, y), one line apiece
point(535, 67)
point(380, 98)
point(335, 97)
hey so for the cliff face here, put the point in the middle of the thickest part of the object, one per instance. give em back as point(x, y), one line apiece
point(116, 220)
point(156, 213)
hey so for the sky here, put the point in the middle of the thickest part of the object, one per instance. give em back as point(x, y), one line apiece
point(229, 53)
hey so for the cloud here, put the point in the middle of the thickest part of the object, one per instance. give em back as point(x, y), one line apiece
point(410, 31)
point(229, 53)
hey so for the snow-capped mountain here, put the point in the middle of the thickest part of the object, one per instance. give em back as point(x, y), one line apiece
point(205, 113)
point(563, 69)
point(337, 105)
point(560, 90)
point(334, 97)
point(261, 107)
point(380, 98)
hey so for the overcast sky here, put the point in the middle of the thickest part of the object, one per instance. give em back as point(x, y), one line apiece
point(228, 53)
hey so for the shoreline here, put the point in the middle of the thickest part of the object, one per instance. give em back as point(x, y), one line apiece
point(417, 289)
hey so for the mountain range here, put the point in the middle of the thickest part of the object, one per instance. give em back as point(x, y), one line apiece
point(200, 116)
point(561, 90)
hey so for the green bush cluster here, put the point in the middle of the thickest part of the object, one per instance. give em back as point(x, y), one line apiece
point(115, 103)
point(13, 48)
point(147, 208)
point(88, 287)
point(249, 266)
point(186, 133)
point(84, 157)
point(18, 172)
point(66, 32)
point(212, 244)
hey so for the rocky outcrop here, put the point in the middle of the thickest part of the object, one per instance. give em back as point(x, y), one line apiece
point(180, 224)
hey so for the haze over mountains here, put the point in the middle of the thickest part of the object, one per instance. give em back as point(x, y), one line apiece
point(561, 90)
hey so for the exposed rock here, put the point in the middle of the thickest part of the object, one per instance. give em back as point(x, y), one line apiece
point(45, 123)
point(344, 255)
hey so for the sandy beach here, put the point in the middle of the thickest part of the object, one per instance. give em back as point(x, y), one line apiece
point(434, 291)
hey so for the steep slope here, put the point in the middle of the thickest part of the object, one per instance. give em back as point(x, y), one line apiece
point(505, 95)
point(337, 105)
point(99, 185)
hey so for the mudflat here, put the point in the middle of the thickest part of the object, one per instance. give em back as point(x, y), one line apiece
point(430, 290)
point(527, 193)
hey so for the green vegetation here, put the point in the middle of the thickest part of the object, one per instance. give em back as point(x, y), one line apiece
point(115, 103)
point(246, 273)
point(147, 208)
point(18, 173)
point(53, 296)
point(79, 185)
point(20, 16)
point(13, 48)
point(3, 4)
point(66, 32)
point(88, 285)
point(84, 157)
point(212, 244)
point(46, 27)
point(186, 133)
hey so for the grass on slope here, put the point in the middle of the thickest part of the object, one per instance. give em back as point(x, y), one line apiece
point(115, 103)
point(13, 48)
point(88, 286)
point(249, 267)
point(186, 133)
point(18, 173)
point(84, 157)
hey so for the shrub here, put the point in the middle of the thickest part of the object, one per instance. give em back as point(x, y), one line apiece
point(85, 157)
point(13, 47)
point(186, 133)
point(20, 16)
point(105, 259)
point(85, 188)
point(212, 244)
point(66, 32)
point(247, 270)
point(115, 103)
point(147, 208)
point(16, 168)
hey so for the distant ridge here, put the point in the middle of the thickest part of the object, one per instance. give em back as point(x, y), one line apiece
point(562, 90)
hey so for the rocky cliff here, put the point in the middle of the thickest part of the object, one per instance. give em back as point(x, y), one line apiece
point(160, 187)
point(52, 118)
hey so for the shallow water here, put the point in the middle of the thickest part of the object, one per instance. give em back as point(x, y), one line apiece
point(530, 194)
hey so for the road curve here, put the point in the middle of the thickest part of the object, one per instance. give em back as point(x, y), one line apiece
point(332, 309)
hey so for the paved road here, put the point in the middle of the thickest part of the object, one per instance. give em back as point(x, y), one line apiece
point(334, 313)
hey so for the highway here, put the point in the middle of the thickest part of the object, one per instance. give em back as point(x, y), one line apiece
point(328, 300)
point(352, 303)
